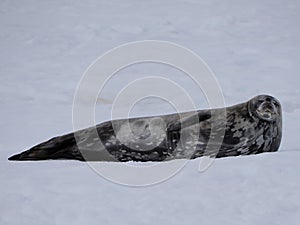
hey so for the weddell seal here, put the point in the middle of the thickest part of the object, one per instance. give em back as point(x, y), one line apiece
point(252, 127)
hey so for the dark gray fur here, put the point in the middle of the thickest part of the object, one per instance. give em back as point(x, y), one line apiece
point(252, 127)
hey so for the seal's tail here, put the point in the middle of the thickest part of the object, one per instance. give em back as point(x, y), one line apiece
point(63, 147)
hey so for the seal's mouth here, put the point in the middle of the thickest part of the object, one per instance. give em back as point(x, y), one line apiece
point(267, 115)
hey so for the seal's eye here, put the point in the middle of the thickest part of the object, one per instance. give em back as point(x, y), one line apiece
point(275, 103)
point(259, 102)
point(266, 110)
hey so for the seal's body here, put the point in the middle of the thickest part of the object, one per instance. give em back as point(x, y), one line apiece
point(248, 128)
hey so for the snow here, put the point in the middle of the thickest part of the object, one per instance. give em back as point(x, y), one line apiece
point(245, 190)
point(253, 48)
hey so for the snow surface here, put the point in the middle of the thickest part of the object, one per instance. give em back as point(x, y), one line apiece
point(252, 46)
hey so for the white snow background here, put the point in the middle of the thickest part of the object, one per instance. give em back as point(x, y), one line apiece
point(45, 46)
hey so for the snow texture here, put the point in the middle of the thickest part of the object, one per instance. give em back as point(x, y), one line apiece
point(253, 48)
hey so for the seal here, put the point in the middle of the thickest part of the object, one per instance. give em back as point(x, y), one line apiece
point(251, 127)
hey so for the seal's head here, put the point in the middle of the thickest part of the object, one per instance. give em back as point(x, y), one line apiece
point(265, 107)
